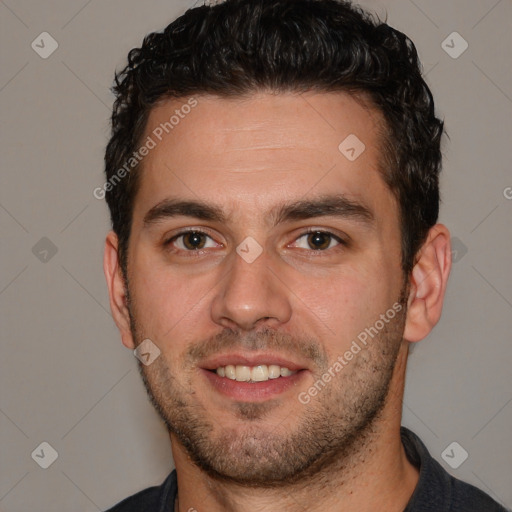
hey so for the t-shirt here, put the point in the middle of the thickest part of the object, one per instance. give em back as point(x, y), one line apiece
point(436, 491)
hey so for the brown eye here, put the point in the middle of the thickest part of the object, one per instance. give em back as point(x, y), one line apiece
point(319, 241)
point(194, 240)
point(191, 241)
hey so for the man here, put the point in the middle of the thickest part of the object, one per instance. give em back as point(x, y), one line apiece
point(272, 178)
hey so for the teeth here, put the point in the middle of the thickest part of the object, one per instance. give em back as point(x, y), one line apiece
point(258, 373)
point(274, 371)
point(230, 372)
point(243, 373)
point(285, 372)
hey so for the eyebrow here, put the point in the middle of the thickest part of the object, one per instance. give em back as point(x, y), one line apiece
point(324, 206)
point(328, 205)
point(169, 208)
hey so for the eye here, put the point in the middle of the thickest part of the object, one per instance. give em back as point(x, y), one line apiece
point(317, 240)
point(191, 241)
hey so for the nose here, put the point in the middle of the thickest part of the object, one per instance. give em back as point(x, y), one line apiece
point(251, 295)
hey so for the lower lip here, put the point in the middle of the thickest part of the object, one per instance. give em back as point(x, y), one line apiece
point(253, 391)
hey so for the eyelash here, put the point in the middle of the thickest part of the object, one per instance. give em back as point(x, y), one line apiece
point(198, 252)
point(338, 239)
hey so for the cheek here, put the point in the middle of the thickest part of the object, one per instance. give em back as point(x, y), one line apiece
point(164, 301)
point(344, 303)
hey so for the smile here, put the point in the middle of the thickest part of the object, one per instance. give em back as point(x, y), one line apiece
point(259, 373)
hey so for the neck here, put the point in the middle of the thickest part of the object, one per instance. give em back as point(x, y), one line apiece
point(375, 476)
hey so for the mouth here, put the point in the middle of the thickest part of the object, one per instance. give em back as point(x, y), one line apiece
point(252, 379)
point(259, 373)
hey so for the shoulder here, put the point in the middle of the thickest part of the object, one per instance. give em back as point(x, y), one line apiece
point(467, 498)
point(437, 490)
point(153, 499)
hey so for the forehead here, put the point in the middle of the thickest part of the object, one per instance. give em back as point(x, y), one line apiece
point(251, 153)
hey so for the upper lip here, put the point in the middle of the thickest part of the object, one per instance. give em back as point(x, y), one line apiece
point(251, 360)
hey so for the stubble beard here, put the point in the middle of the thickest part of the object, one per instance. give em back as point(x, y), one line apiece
point(329, 432)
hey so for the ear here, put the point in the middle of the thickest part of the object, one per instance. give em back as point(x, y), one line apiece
point(117, 289)
point(428, 284)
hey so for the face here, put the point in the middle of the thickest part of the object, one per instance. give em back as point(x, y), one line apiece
point(261, 255)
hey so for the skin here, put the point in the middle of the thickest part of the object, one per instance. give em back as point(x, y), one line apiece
point(247, 157)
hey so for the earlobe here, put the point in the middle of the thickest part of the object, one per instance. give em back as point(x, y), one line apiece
point(116, 289)
point(428, 284)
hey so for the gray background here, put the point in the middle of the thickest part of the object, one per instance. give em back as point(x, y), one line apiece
point(66, 379)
